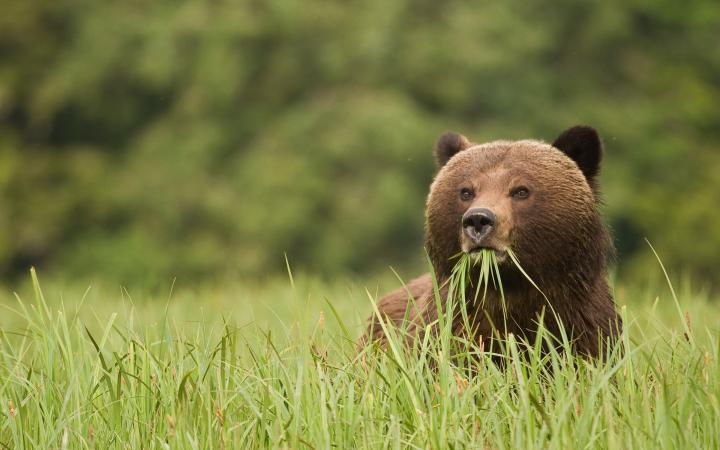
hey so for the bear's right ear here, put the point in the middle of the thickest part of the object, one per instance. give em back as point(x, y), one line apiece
point(448, 146)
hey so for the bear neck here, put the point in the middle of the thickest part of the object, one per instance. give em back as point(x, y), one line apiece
point(578, 300)
point(580, 311)
point(576, 290)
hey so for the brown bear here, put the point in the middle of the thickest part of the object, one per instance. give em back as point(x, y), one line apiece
point(541, 201)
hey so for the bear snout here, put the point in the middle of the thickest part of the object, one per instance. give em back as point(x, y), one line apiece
point(478, 223)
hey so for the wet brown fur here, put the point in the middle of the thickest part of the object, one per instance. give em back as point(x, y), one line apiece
point(557, 235)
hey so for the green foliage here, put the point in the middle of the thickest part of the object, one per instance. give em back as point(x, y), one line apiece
point(280, 369)
point(194, 138)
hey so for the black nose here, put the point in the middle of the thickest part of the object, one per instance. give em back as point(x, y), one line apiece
point(478, 223)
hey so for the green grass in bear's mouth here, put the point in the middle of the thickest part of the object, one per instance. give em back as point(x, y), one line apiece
point(482, 263)
point(473, 276)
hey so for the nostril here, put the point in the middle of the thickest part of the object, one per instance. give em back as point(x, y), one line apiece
point(481, 221)
point(468, 222)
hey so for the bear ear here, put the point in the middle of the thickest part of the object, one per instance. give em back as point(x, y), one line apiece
point(582, 144)
point(448, 146)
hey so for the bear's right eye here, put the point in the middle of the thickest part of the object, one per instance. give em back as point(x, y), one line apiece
point(466, 194)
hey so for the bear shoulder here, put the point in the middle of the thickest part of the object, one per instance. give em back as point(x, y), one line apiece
point(402, 304)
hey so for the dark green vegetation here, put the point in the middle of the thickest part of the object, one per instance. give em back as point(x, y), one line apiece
point(145, 140)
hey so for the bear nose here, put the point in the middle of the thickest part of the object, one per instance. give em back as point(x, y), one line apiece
point(478, 223)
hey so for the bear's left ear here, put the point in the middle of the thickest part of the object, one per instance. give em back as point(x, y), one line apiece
point(582, 144)
point(448, 146)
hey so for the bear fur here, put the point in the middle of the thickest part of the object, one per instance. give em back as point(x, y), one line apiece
point(544, 201)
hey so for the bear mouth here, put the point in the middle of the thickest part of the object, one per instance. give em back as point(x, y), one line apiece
point(500, 255)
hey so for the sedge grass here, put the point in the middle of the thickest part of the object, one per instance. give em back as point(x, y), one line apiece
point(161, 375)
point(488, 273)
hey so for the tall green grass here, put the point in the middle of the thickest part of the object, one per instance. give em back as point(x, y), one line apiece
point(198, 371)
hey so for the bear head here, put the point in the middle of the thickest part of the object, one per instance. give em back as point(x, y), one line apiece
point(539, 200)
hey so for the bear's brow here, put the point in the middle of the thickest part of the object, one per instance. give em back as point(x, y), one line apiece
point(492, 154)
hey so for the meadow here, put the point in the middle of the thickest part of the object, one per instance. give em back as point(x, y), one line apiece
point(146, 142)
point(275, 365)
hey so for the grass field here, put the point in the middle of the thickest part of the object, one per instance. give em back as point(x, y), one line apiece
point(272, 365)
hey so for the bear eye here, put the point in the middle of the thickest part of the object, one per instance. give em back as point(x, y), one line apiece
point(466, 194)
point(520, 193)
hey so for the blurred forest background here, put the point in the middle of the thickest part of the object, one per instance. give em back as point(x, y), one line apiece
point(200, 139)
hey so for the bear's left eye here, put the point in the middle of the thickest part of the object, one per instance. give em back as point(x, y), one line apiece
point(520, 192)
